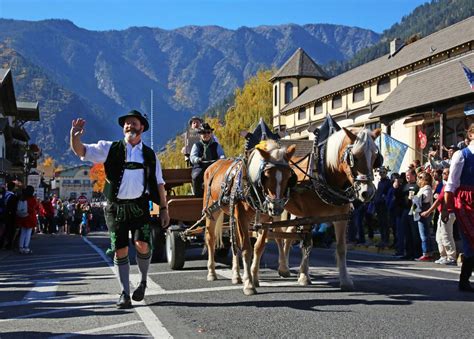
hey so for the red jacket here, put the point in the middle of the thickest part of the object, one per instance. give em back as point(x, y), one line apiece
point(30, 221)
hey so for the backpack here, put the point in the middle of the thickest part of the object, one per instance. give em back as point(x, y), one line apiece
point(22, 209)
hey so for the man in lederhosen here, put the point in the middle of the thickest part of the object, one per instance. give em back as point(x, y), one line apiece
point(133, 177)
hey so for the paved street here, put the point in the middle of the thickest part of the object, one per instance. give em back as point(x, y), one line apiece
point(67, 288)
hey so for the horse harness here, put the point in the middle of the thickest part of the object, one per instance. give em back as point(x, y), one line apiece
point(237, 186)
point(328, 194)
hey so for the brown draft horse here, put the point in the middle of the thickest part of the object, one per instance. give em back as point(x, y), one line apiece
point(306, 202)
point(266, 173)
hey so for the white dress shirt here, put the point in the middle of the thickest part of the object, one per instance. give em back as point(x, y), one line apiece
point(132, 183)
point(455, 170)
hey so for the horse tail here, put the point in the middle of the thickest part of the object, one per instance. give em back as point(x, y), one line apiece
point(218, 230)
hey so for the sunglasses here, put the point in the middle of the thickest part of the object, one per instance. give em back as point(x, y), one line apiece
point(206, 132)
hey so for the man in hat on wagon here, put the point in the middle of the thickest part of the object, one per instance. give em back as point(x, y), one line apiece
point(203, 154)
point(133, 177)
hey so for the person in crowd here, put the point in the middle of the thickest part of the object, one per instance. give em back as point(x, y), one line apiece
point(463, 141)
point(134, 177)
point(203, 154)
point(380, 201)
point(10, 202)
point(437, 163)
point(444, 230)
point(70, 216)
point(459, 197)
point(191, 136)
point(26, 218)
point(60, 220)
point(408, 238)
point(48, 210)
point(393, 212)
point(422, 202)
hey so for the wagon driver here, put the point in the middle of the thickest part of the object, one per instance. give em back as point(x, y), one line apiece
point(133, 177)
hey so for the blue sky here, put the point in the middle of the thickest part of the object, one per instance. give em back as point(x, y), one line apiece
point(168, 14)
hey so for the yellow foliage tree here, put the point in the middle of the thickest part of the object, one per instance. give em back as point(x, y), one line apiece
point(97, 174)
point(252, 102)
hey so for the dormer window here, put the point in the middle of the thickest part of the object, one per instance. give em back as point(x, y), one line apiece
point(288, 92)
point(358, 94)
point(383, 86)
point(337, 101)
point(302, 113)
point(318, 108)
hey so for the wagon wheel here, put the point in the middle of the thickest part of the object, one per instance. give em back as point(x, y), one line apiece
point(175, 249)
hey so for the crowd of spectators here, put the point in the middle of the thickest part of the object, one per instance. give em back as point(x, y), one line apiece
point(406, 211)
point(22, 214)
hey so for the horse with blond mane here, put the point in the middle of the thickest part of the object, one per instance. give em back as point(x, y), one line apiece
point(348, 170)
point(250, 191)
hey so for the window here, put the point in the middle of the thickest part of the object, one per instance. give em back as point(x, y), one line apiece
point(77, 182)
point(288, 92)
point(302, 113)
point(275, 95)
point(318, 108)
point(337, 101)
point(383, 86)
point(358, 94)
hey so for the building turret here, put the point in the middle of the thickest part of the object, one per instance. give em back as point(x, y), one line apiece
point(297, 74)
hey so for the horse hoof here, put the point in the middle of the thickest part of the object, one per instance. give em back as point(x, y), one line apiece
point(211, 277)
point(256, 283)
point(236, 281)
point(304, 281)
point(284, 274)
point(250, 291)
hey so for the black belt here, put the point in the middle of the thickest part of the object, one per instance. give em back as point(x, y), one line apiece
point(128, 201)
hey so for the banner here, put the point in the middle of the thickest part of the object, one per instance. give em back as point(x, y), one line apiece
point(393, 152)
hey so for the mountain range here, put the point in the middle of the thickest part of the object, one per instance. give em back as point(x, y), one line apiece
point(75, 72)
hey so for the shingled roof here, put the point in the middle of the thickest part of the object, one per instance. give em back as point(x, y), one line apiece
point(429, 87)
point(300, 65)
point(433, 44)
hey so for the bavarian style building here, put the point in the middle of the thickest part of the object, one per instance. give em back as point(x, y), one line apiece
point(418, 86)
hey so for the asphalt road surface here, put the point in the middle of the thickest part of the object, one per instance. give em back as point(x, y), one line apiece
point(67, 288)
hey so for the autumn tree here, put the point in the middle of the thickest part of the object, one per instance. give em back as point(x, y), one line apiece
point(252, 102)
point(97, 174)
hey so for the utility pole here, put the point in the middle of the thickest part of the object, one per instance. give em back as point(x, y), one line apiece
point(152, 129)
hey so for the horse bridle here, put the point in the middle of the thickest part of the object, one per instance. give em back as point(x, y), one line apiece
point(357, 179)
point(279, 202)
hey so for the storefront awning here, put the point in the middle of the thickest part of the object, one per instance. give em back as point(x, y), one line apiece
point(435, 86)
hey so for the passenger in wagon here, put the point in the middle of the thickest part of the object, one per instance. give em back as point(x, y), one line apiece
point(203, 154)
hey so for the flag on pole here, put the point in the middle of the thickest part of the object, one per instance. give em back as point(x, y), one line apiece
point(469, 75)
point(393, 152)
